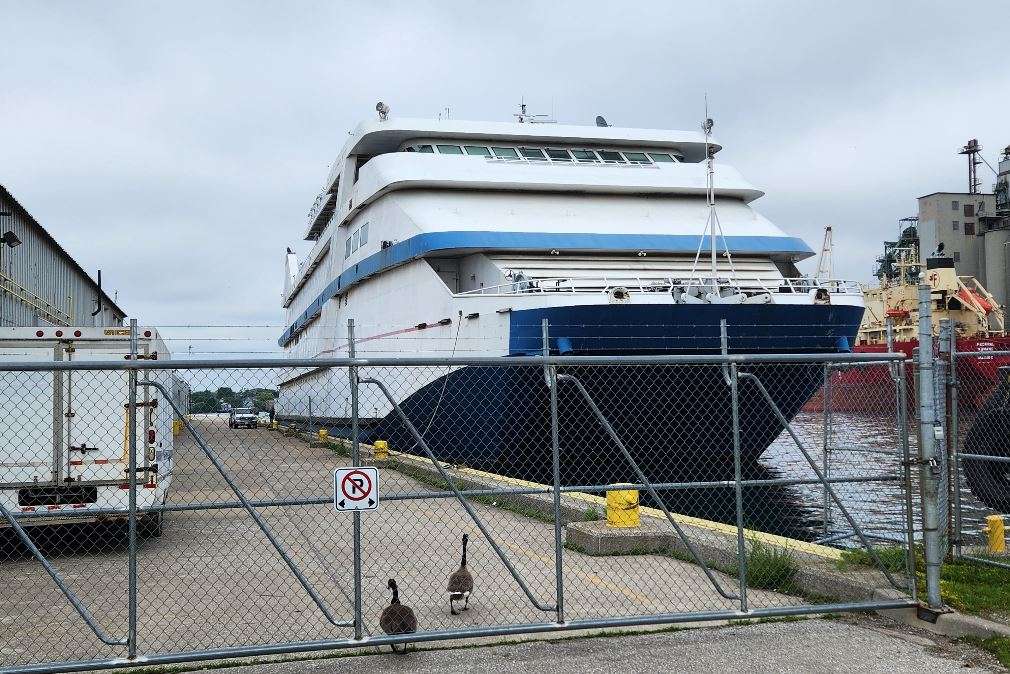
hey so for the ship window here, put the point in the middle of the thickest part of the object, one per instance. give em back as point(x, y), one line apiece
point(584, 155)
point(954, 205)
point(426, 149)
point(355, 240)
point(611, 156)
point(505, 153)
point(957, 225)
point(969, 229)
point(364, 234)
point(559, 155)
point(449, 149)
point(636, 157)
point(347, 246)
point(477, 150)
point(532, 152)
point(957, 256)
point(661, 157)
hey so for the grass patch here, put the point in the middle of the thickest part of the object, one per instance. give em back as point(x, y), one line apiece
point(998, 646)
point(975, 588)
point(969, 587)
point(592, 514)
point(771, 568)
point(894, 559)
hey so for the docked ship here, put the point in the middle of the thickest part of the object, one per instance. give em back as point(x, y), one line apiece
point(444, 238)
point(975, 315)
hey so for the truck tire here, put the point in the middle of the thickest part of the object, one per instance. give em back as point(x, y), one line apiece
point(151, 525)
point(989, 435)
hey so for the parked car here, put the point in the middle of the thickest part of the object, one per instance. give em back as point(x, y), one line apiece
point(242, 417)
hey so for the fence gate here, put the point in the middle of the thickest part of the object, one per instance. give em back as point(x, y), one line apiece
point(580, 493)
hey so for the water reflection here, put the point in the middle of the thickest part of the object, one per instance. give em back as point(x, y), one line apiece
point(861, 446)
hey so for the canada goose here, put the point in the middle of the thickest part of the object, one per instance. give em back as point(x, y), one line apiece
point(397, 618)
point(460, 583)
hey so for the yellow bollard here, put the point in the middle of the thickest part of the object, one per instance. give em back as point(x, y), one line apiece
point(323, 434)
point(381, 452)
point(622, 508)
point(995, 530)
point(273, 425)
point(176, 427)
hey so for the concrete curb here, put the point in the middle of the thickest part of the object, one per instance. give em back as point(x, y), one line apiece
point(949, 623)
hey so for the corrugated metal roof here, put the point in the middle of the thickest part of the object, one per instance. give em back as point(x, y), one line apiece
point(8, 198)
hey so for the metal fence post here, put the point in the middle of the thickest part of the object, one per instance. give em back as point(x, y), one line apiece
point(352, 371)
point(826, 436)
point(552, 382)
point(131, 422)
point(929, 433)
point(940, 387)
point(741, 542)
point(955, 461)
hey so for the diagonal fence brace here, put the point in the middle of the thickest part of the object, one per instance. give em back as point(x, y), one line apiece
point(459, 496)
point(302, 580)
point(74, 600)
point(695, 554)
point(823, 480)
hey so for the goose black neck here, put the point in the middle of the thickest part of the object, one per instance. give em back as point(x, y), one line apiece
point(465, 541)
point(396, 595)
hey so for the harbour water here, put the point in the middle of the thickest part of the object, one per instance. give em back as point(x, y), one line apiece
point(860, 446)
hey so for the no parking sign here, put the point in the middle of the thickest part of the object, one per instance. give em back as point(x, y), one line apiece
point(356, 488)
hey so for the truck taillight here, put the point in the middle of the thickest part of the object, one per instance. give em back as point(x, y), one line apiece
point(150, 436)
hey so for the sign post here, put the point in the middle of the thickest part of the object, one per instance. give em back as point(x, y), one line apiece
point(356, 488)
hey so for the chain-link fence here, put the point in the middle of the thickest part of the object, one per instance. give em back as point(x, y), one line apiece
point(979, 404)
point(577, 492)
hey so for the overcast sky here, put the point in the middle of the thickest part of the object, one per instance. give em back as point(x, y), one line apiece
point(178, 146)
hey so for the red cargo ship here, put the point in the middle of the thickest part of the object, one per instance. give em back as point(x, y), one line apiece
point(975, 314)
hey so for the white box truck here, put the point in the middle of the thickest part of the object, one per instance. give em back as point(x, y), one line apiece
point(64, 441)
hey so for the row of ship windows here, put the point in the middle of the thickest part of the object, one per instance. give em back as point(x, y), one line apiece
point(356, 240)
point(582, 156)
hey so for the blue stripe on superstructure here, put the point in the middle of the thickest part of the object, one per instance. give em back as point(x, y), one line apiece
point(422, 244)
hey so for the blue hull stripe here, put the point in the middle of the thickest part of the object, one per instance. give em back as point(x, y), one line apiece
point(685, 328)
point(438, 242)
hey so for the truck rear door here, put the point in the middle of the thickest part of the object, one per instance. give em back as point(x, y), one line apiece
point(30, 419)
point(96, 426)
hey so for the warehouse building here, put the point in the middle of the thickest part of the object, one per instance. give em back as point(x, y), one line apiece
point(40, 283)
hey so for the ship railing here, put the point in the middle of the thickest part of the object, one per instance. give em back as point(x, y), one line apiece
point(652, 285)
point(568, 162)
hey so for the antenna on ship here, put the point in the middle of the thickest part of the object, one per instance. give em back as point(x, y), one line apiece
point(525, 117)
point(712, 224)
point(824, 259)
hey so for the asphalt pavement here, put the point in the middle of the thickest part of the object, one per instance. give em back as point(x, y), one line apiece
point(817, 645)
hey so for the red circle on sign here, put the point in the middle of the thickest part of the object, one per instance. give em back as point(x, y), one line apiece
point(346, 484)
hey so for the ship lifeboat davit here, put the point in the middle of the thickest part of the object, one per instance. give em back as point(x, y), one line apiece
point(989, 435)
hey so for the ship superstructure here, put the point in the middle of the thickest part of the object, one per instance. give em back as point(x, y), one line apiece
point(443, 237)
